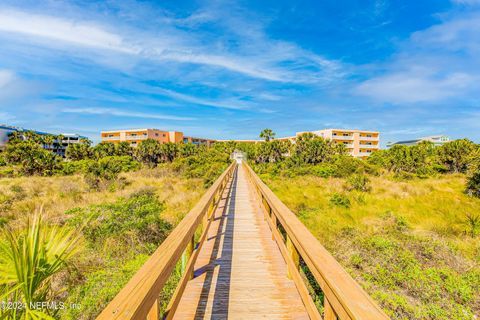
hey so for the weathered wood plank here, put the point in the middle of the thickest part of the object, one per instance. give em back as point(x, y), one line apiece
point(136, 299)
point(346, 297)
point(240, 272)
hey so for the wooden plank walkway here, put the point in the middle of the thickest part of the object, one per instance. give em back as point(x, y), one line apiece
point(240, 272)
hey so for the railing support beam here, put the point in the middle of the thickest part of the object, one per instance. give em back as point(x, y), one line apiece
point(292, 251)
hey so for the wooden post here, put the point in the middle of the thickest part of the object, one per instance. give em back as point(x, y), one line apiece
point(292, 251)
point(274, 225)
point(329, 313)
point(187, 254)
point(153, 314)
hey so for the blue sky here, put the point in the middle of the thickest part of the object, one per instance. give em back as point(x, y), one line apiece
point(228, 69)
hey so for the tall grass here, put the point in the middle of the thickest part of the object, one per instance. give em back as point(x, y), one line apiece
point(413, 245)
point(29, 259)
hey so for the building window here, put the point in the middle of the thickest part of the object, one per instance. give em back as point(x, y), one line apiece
point(164, 135)
point(369, 135)
point(156, 134)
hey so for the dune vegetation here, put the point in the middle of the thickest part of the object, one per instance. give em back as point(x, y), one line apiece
point(405, 223)
point(82, 228)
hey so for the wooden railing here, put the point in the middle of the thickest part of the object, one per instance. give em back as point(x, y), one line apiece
point(343, 298)
point(139, 298)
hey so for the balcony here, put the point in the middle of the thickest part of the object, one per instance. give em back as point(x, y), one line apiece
point(111, 138)
point(137, 137)
point(364, 154)
point(347, 145)
point(369, 146)
point(342, 137)
point(368, 138)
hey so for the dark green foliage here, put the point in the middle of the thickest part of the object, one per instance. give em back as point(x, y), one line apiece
point(413, 159)
point(123, 149)
point(340, 200)
point(79, 151)
point(473, 184)
point(457, 154)
point(32, 159)
point(472, 222)
point(102, 173)
point(149, 152)
point(78, 166)
point(358, 182)
point(206, 163)
point(133, 219)
point(267, 134)
point(104, 149)
point(271, 151)
point(3, 162)
point(312, 149)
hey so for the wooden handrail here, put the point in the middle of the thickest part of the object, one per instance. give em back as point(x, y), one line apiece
point(343, 296)
point(138, 299)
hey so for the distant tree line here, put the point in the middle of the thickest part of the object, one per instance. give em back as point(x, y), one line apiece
point(310, 154)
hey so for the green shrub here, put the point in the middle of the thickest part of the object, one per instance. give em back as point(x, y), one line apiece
point(359, 182)
point(473, 184)
point(3, 162)
point(132, 219)
point(74, 167)
point(340, 200)
point(345, 166)
point(32, 159)
point(100, 287)
point(102, 173)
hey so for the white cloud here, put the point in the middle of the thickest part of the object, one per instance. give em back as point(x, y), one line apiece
point(6, 77)
point(257, 56)
point(121, 113)
point(79, 33)
point(435, 64)
point(410, 87)
point(225, 104)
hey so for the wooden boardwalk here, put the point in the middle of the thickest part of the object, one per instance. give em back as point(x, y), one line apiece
point(240, 272)
point(238, 267)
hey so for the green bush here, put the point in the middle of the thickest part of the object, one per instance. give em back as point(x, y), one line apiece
point(100, 287)
point(3, 162)
point(359, 182)
point(102, 173)
point(340, 200)
point(75, 167)
point(473, 184)
point(132, 219)
point(31, 158)
point(345, 166)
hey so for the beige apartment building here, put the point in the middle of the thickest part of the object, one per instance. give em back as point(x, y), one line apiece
point(359, 143)
point(135, 136)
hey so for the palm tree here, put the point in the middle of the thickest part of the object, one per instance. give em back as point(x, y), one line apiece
point(85, 141)
point(28, 261)
point(267, 134)
point(48, 140)
point(32, 135)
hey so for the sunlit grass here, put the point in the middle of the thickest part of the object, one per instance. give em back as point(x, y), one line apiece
point(408, 243)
